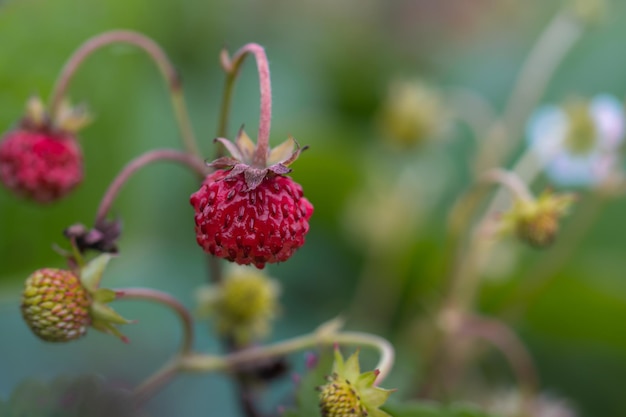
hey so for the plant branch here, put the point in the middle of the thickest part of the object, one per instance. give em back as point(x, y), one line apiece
point(191, 161)
point(164, 375)
point(159, 58)
point(167, 300)
point(537, 71)
point(211, 363)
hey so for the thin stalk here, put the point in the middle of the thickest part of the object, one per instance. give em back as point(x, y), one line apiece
point(473, 109)
point(210, 363)
point(158, 57)
point(231, 67)
point(194, 163)
point(537, 71)
point(509, 344)
point(164, 375)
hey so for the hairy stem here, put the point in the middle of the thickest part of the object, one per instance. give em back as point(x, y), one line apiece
point(193, 162)
point(158, 56)
point(231, 67)
point(209, 363)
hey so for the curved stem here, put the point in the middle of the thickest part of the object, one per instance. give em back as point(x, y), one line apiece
point(231, 66)
point(509, 344)
point(208, 363)
point(164, 375)
point(473, 109)
point(158, 56)
point(156, 381)
point(542, 61)
point(167, 300)
point(191, 161)
point(510, 180)
point(540, 65)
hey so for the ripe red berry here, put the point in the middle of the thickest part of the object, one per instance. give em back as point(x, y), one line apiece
point(41, 159)
point(266, 224)
point(39, 165)
point(248, 211)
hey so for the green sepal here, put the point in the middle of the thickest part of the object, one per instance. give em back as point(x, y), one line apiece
point(103, 312)
point(103, 295)
point(108, 328)
point(91, 273)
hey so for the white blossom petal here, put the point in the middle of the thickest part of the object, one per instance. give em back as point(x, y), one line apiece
point(546, 131)
point(608, 114)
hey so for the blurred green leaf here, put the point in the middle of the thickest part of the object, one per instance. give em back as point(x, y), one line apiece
point(430, 409)
point(307, 396)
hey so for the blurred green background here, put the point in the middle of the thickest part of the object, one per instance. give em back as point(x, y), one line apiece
point(331, 64)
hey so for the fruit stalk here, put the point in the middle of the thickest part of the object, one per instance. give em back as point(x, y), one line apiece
point(544, 58)
point(211, 363)
point(159, 58)
point(191, 161)
point(231, 66)
point(164, 375)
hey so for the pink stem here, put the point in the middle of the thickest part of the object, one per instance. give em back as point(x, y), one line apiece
point(509, 344)
point(181, 311)
point(158, 56)
point(164, 375)
point(265, 117)
point(107, 38)
point(193, 162)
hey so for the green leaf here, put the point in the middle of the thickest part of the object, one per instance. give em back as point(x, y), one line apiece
point(307, 395)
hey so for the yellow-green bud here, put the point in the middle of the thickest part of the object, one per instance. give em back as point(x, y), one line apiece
point(243, 304)
point(55, 305)
point(412, 113)
point(536, 222)
point(350, 393)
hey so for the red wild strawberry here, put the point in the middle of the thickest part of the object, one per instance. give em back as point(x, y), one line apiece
point(41, 160)
point(252, 213)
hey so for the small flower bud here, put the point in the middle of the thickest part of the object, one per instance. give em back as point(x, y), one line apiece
point(243, 305)
point(412, 113)
point(537, 222)
point(350, 393)
point(55, 305)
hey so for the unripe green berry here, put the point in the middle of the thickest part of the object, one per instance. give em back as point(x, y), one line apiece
point(338, 398)
point(350, 393)
point(55, 305)
point(539, 231)
point(536, 222)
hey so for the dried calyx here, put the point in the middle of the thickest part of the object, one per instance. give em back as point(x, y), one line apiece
point(256, 161)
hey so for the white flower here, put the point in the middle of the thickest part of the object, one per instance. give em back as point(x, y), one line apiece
point(578, 142)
